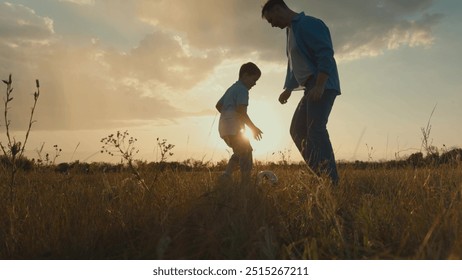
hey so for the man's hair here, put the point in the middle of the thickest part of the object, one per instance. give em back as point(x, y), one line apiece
point(249, 68)
point(270, 4)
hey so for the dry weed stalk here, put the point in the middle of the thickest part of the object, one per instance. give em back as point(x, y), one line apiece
point(165, 149)
point(123, 145)
point(14, 150)
point(426, 141)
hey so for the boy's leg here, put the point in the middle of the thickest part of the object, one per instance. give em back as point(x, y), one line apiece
point(246, 164)
point(243, 150)
point(242, 156)
point(226, 178)
point(233, 164)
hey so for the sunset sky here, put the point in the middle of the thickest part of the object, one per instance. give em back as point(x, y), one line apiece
point(157, 68)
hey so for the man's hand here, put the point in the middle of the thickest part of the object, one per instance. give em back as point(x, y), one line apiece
point(315, 93)
point(285, 95)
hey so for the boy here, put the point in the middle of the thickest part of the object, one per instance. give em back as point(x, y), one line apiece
point(233, 116)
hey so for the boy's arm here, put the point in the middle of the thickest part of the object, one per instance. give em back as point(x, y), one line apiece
point(242, 111)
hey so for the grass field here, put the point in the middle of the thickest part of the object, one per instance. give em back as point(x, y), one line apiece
point(376, 212)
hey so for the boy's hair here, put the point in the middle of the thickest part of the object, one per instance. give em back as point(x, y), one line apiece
point(249, 68)
point(270, 5)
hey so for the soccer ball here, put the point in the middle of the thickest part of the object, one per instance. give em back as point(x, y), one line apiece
point(267, 176)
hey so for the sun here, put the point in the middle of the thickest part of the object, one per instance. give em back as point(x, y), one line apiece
point(268, 118)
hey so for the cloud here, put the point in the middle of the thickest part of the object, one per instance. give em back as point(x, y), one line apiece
point(234, 27)
point(20, 24)
point(163, 58)
point(368, 28)
point(80, 90)
point(359, 27)
point(80, 2)
point(88, 83)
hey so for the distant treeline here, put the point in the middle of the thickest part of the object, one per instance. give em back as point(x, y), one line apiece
point(415, 160)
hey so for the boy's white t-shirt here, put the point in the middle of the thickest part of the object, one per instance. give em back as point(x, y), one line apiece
point(230, 121)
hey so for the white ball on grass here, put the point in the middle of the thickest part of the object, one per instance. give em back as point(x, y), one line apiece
point(267, 176)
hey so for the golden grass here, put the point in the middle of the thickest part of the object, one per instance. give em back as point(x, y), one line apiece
point(378, 213)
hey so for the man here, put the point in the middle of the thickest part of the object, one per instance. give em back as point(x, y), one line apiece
point(311, 67)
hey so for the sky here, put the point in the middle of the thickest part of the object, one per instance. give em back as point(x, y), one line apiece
point(156, 69)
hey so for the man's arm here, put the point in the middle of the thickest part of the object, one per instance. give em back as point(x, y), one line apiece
point(318, 90)
point(317, 38)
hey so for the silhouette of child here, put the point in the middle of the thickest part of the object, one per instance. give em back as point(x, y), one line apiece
point(233, 118)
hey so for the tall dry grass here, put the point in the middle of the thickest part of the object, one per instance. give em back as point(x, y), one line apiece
point(375, 213)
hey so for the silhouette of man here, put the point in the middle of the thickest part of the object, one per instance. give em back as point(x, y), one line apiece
point(312, 68)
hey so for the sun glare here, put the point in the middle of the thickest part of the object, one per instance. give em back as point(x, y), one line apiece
point(247, 133)
point(270, 121)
